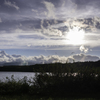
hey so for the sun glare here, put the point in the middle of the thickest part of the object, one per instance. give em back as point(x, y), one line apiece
point(75, 36)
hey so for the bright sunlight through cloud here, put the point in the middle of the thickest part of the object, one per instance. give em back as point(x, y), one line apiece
point(75, 36)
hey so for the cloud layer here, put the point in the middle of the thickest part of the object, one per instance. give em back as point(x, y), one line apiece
point(6, 59)
point(36, 24)
point(8, 3)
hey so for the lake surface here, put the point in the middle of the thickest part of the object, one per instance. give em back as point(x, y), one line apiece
point(17, 75)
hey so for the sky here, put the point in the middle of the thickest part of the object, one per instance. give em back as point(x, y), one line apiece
point(65, 28)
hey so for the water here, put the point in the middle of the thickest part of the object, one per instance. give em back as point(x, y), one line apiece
point(17, 75)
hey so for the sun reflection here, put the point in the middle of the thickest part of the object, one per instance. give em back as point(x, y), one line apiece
point(75, 36)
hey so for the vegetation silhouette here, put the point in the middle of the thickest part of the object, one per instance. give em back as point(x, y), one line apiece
point(55, 79)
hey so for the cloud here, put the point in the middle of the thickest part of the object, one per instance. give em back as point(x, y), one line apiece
point(88, 24)
point(83, 57)
point(48, 34)
point(83, 49)
point(51, 9)
point(0, 20)
point(6, 59)
point(8, 3)
point(25, 39)
point(50, 31)
point(34, 10)
point(63, 3)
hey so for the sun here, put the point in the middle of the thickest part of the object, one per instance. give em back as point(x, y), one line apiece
point(75, 36)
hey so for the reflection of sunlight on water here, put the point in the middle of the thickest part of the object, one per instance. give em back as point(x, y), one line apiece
point(31, 75)
point(68, 74)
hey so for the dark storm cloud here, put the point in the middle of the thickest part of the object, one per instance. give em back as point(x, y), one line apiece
point(7, 5)
point(29, 12)
point(84, 3)
point(8, 25)
point(18, 7)
point(26, 24)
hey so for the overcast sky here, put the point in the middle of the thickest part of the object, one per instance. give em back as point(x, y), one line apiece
point(50, 27)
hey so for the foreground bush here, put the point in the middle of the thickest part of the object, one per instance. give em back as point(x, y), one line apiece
point(61, 81)
point(45, 84)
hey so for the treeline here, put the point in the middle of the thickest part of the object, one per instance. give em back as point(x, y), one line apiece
point(53, 66)
point(57, 80)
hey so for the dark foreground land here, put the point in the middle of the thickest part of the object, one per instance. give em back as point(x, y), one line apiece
point(27, 97)
point(70, 81)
